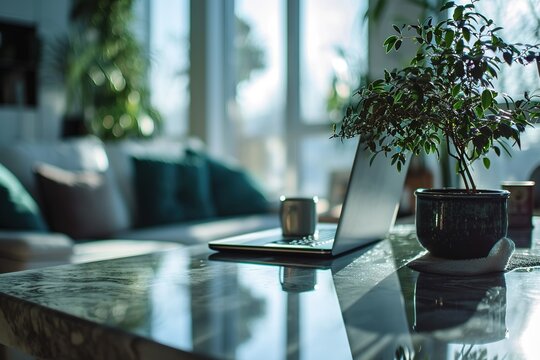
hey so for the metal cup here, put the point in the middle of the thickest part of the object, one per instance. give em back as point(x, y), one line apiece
point(298, 215)
point(520, 203)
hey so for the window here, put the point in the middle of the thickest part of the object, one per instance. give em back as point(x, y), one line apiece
point(169, 53)
point(297, 63)
point(333, 56)
point(333, 60)
point(520, 20)
point(257, 108)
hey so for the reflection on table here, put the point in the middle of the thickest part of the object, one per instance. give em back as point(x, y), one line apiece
point(367, 304)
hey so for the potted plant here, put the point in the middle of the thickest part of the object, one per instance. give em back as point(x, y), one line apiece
point(445, 101)
point(104, 70)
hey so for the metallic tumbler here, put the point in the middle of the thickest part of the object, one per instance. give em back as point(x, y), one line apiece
point(298, 215)
point(520, 203)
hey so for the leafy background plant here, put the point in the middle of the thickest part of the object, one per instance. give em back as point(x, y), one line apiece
point(445, 95)
point(104, 68)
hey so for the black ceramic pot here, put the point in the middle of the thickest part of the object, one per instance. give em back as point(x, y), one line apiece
point(454, 224)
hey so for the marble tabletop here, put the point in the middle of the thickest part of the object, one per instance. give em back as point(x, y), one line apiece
point(194, 303)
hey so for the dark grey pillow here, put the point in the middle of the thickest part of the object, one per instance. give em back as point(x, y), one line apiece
point(83, 205)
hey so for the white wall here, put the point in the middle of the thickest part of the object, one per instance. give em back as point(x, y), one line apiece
point(42, 122)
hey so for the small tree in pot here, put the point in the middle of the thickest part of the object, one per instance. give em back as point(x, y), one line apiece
point(446, 97)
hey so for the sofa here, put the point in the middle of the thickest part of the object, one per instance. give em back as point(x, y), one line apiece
point(83, 199)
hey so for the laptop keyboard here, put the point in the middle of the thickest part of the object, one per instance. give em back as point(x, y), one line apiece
point(317, 240)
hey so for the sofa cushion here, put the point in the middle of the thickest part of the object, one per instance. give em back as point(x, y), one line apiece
point(121, 154)
point(172, 191)
point(18, 210)
point(81, 204)
point(234, 191)
point(86, 153)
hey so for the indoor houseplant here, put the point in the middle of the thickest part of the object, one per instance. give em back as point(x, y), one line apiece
point(104, 70)
point(445, 100)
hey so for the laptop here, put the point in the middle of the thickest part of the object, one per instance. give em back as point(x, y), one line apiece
point(368, 212)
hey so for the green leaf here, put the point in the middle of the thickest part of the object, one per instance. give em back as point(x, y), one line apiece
point(505, 147)
point(435, 138)
point(458, 104)
point(372, 159)
point(456, 167)
point(497, 150)
point(466, 34)
point(448, 5)
point(455, 90)
point(427, 147)
point(389, 42)
point(397, 29)
point(459, 46)
point(449, 37)
point(479, 111)
point(486, 162)
point(379, 83)
point(508, 58)
point(459, 68)
point(438, 37)
point(487, 99)
point(397, 45)
point(458, 13)
point(429, 36)
point(486, 131)
point(479, 143)
point(506, 130)
point(493, 72)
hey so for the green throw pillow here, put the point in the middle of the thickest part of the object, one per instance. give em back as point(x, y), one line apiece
point(234, 191)
point(172, 191)
point(18, 210)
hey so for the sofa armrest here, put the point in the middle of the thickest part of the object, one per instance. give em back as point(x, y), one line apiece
point(25, 246)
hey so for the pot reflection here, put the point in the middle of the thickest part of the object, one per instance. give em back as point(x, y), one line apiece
point(464, 310)
point(297, 279)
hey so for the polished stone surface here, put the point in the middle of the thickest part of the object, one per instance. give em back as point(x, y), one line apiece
point(193, 302)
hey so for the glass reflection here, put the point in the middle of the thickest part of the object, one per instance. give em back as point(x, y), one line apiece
point(171, 299)
point(366, 304)
point(224, 310)
point(460, 316)
point(297, 280)
point(475, 310)
point(263, 310)
point(376, 323)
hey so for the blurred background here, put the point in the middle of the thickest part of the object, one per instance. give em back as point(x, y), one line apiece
point(258, 81)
